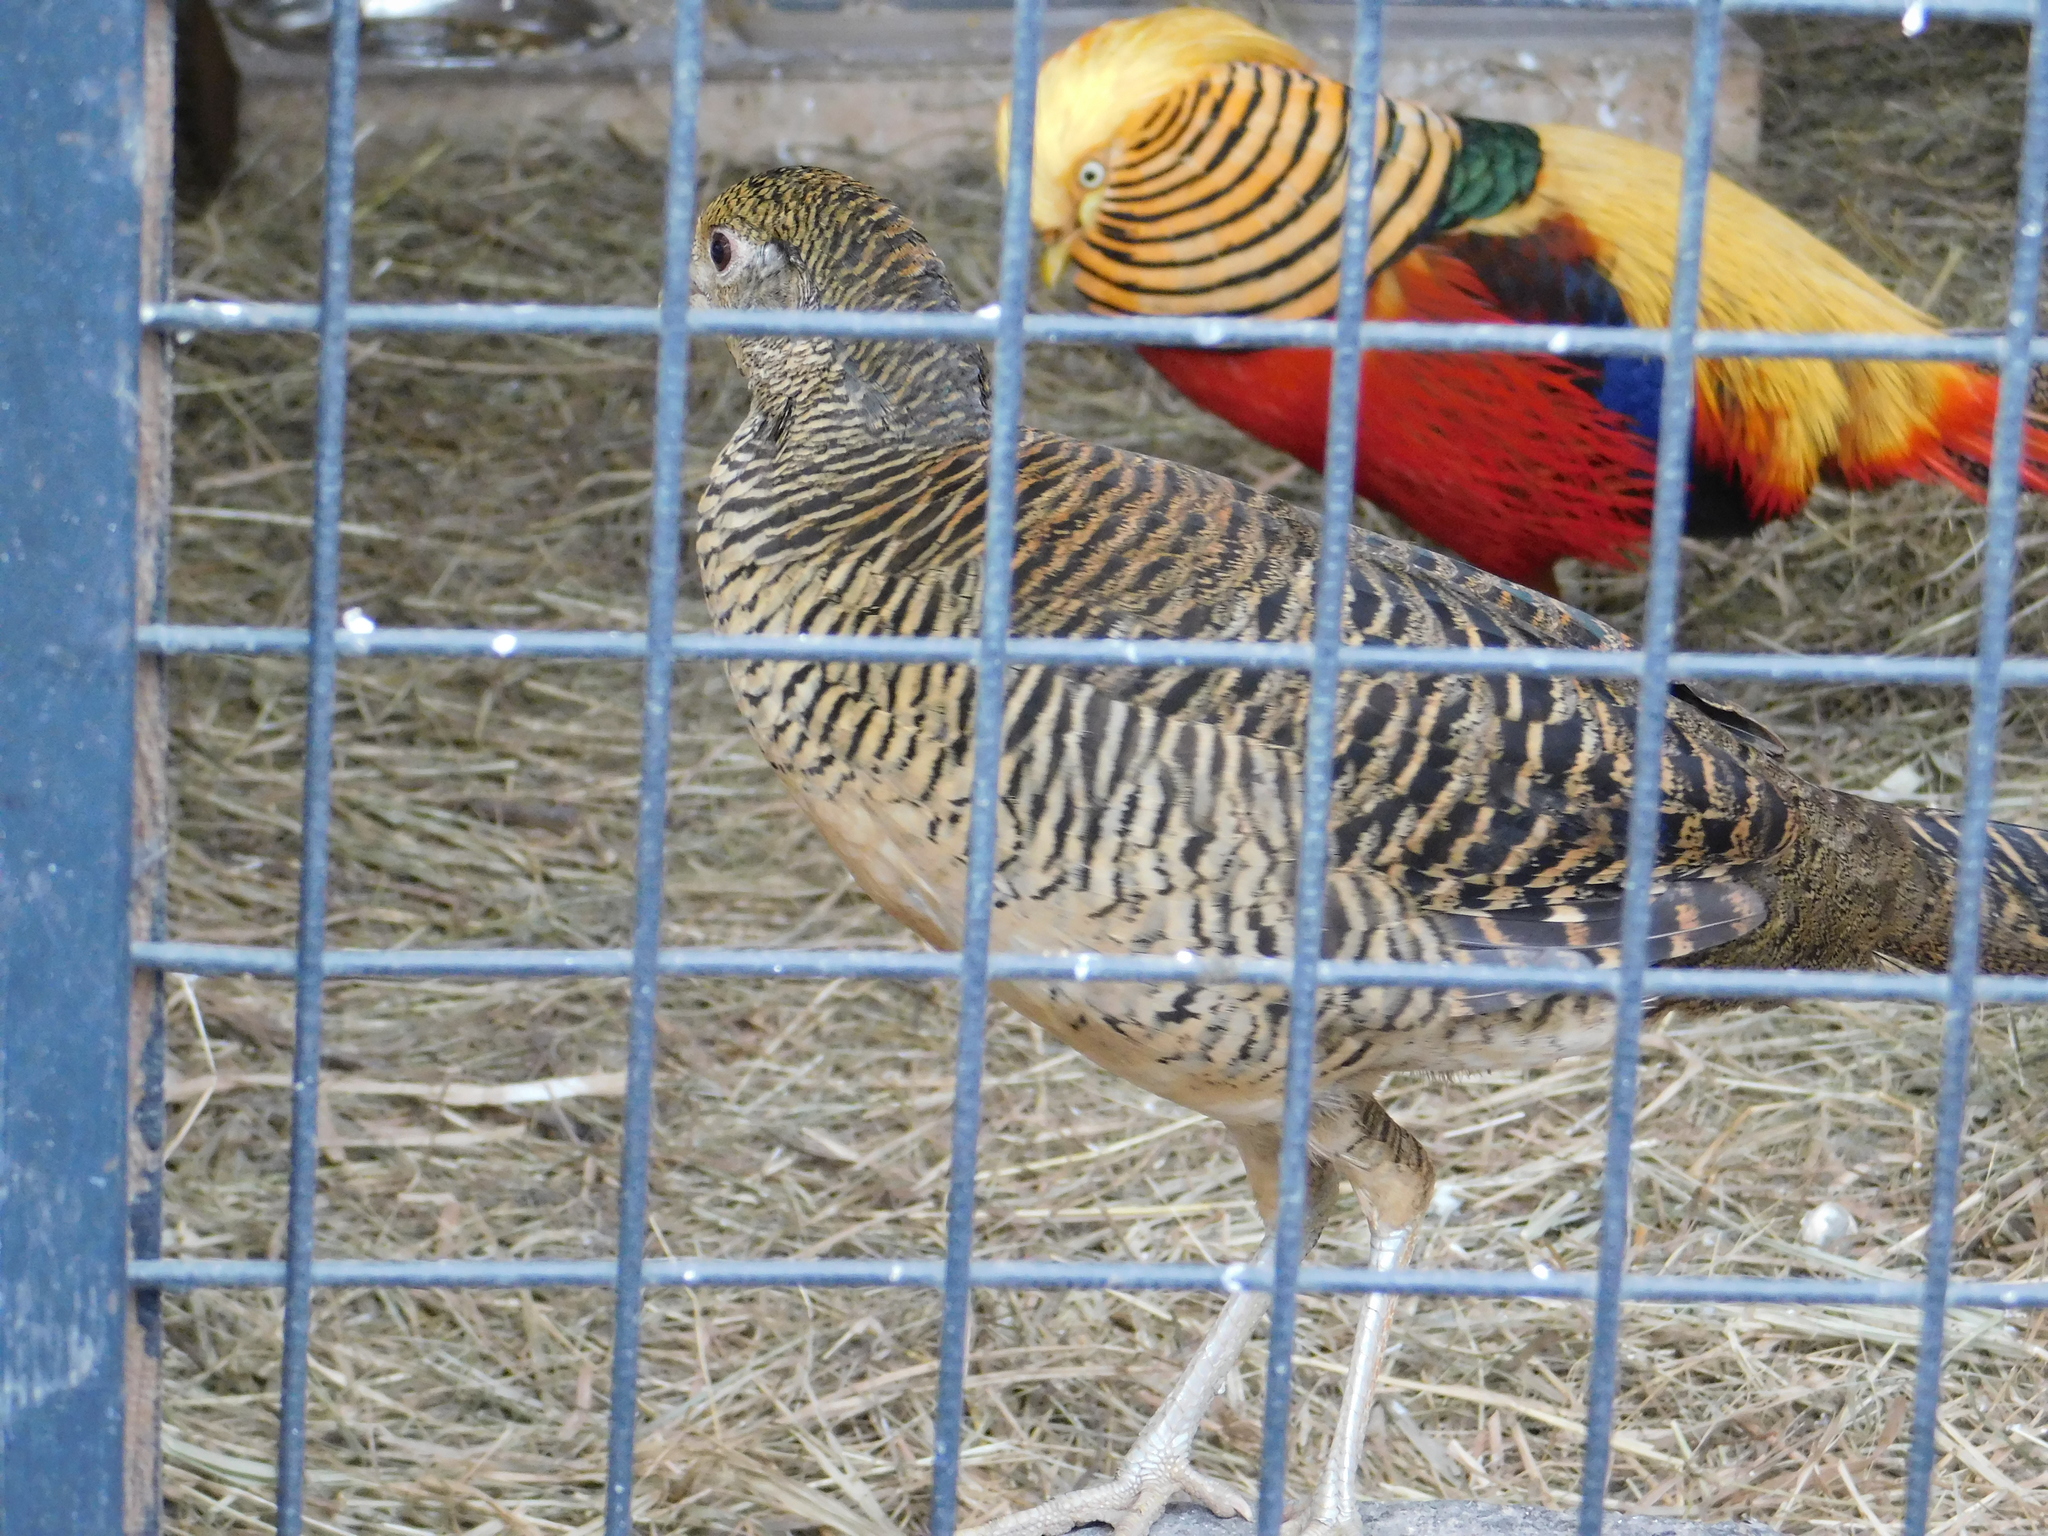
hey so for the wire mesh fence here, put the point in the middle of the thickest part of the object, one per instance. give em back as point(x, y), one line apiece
point(332, 644)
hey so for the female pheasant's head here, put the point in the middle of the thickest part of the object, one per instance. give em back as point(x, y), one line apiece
point(1098, 90)
point(802, 237)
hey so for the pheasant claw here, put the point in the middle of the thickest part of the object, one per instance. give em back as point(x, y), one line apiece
point(1158, 1469)
point(1128, 1505)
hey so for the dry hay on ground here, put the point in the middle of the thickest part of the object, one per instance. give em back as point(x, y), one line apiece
point(503, 482)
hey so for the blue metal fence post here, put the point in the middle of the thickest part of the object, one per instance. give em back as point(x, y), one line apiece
point(71, 208)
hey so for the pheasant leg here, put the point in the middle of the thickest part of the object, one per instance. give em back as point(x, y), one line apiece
point(1158, 1471)
point(1335, 1511)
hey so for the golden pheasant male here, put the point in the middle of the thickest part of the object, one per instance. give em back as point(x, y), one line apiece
point(1187, 163)
point(1157, 810)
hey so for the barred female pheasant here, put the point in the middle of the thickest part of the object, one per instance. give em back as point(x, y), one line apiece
point(1187, 163)
point(1479, 818)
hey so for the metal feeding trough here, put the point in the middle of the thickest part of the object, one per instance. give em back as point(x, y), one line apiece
point(917, 81)
point(437, 32)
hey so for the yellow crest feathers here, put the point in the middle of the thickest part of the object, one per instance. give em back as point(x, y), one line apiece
point(1088, 89)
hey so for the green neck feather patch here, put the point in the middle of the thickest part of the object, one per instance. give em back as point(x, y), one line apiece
point(1496, 169)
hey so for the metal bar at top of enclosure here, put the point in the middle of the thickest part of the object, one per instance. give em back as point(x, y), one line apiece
point(1987, 697)
point(1961, 10)
point(660, 648)
point(1080, 330)
point(337, 219)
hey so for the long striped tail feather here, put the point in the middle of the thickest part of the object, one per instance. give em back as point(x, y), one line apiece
point(2015, 932)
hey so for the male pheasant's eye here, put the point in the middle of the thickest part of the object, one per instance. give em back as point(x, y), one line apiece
point(721, 250)
point(1093, 175)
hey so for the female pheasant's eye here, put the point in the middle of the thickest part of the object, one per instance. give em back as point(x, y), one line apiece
point(721, 250)
point(1093, 175)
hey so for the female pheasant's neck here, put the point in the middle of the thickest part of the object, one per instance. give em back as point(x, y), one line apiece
point(917, 394)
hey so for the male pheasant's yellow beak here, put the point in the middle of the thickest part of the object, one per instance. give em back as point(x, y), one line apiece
point(1054, 261)
point(1059, 239)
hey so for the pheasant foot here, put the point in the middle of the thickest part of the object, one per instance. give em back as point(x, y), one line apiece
point(1158, 1472)
point(1129, 1503)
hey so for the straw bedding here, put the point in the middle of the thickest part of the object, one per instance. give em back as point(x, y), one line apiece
point(501, 482)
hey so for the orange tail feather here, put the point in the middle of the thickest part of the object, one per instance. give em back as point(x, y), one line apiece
point(1956, 447)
